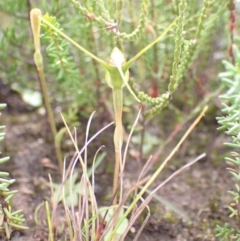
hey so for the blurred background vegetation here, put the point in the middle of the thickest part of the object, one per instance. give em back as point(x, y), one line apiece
point(76, 83)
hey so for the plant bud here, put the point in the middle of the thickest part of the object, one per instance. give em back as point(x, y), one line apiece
point(35, 24)
point(116, 57)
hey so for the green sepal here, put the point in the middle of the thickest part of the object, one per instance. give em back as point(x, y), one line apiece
point(114, 78)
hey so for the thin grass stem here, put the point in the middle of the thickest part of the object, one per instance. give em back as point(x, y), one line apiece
point(122, 165)
point(49, 222)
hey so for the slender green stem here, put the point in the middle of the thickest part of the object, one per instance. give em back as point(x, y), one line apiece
point(50, 117)
point(35, 16)
point(46, 100)
point(50, 237)
point(118, 135)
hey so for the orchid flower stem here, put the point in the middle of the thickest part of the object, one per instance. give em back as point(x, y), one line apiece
point(35, 16)
point(118, 136)
point(49, 113)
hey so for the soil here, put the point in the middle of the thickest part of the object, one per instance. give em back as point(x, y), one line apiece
point(200, 192)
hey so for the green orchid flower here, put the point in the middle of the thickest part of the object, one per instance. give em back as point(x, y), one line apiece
point(117, 76)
